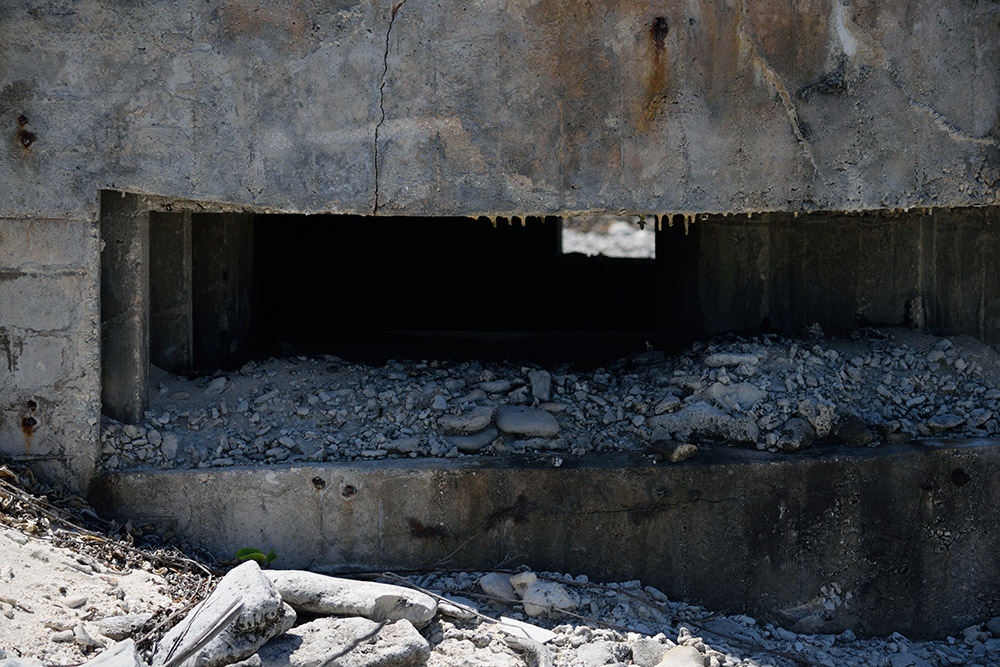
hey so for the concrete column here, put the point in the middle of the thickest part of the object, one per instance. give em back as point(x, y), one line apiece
point(171, 318)
point(222, 272)
point(124, 306)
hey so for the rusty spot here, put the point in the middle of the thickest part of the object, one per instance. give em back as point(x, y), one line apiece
point(657, 79)
point(349, 491)
point(319, 483)
point(519, 512)
point(959, 477)
point(659, 31)
point(419, 530)
point(28, 425)
point(24, 137)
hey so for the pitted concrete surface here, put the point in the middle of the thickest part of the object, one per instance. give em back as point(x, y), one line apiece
point(521, 108)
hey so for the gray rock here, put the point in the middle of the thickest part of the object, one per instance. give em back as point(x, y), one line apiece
point(458, 607)
point(541, 385)
point(668, 404)
point(852, 431)
point(906, 659)
point(216, 386)
point(796, 434)
point(403, 445)
point(601, 652)
point(682, 656)
point(498, 386)
point(498, 586)
point(321, 594)
point(647, 652)
point(121, 627)
point(168, 447)
point(83, 638)
point(675, 452)
point(527, 422)
point(939, 423)
point(470, 444)
point(728, 396)
point(121, 654)
point(397, 644)
point(21, 662)
point(993, 625)
point(471, 422)
point(439, 403)
point(702, 421)
point(724, 359)
point(263, 617)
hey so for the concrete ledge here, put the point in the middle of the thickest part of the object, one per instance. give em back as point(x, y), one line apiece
point(880, 540)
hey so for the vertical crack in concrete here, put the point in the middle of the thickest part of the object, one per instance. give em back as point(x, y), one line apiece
point(772, 77)
point(381, 96)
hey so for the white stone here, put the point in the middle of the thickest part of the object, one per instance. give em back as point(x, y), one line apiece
point(683, 656)
point(321, 594)
point(311, 644)
point(516, 628)
point(121, 654)
point(263, 616)
point(498, 586)
point(540, 597)
point(216, 386)
point(724, 359)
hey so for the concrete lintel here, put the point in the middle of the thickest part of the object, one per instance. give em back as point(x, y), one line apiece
point(893, 539)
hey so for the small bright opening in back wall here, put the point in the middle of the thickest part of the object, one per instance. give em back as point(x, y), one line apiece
point(630, 237)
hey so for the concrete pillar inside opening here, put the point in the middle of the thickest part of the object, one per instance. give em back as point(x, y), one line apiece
point(124, 306)
point(171, 337)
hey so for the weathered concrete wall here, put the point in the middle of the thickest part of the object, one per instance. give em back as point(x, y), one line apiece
point(49, 341)
point(416, 107)
point(933, 270)
point(908, 535)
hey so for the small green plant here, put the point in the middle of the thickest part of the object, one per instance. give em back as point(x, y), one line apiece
point(257, 555)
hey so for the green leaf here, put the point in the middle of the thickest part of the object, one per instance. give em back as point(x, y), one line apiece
point(255, 554)
point(271, 556)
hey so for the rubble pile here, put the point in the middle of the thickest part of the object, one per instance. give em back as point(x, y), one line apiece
point(769, 392)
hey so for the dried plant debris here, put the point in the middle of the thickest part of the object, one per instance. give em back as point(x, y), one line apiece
point(766, 392)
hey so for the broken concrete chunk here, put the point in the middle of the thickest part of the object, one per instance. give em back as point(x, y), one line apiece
point(261, 617)
point(322, 594)
point(121, 654)
point(516, 628)
point(725, 359)
point(527, 422)
point(540, 597)
point(820, 413)
point(498, 586)
point(471, 422)
point(702, 421)
point(741, 395)
point(397, 644)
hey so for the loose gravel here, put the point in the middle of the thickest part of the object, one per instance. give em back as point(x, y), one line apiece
point(769, 392)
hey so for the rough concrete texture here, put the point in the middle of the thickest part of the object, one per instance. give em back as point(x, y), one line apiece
point(49, 387)
point(898, 539)
point(405, 106)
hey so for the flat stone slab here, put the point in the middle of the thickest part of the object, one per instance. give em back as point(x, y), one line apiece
point(322, 594)
point(470, 422)
point(311, 644)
